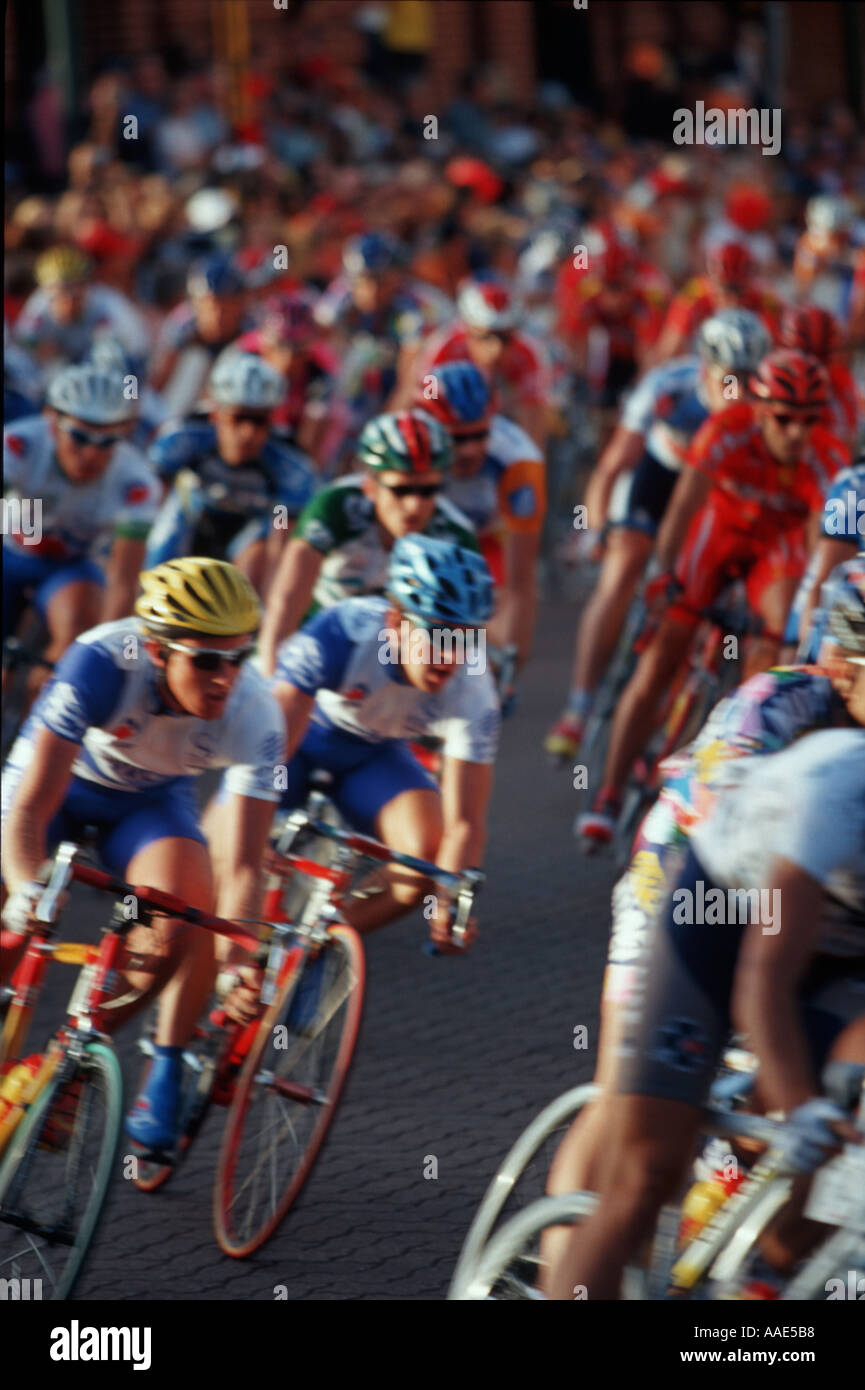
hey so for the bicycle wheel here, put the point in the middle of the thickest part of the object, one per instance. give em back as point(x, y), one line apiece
point(522, 1176)
point(286, 1096)
point(55, 1174)
point(509, 1266)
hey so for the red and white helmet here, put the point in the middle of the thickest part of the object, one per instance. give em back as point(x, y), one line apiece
point(791, 378)
point(487, 304)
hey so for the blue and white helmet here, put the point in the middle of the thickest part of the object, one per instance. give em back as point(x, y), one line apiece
point(370, 254)
point(437, 581)
point(462, 396)
point(92, 393)
point(735, 339)
point(244, 378)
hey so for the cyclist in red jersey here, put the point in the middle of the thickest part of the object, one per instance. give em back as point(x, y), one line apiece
point(811, 329)
point(515, 363)
point(729, 284)
point(756, 475)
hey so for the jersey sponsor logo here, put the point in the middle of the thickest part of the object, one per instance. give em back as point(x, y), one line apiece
point(137, 492)
point(522, 501)
point(123, 731)
point(357, 693)
point(63, 711)
point(303, 662)
point(317, 534)
point(680, 1043)
point(647, 879)
point(16, 445)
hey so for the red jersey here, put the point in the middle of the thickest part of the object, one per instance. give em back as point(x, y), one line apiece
point(846, 405)
point(753, 493)
point(522, 374)
point(699, 299)
point(631, 315)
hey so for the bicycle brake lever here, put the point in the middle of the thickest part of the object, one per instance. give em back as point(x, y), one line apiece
point(61, 877)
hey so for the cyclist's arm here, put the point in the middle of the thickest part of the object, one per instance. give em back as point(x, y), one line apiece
point(124, 566)
point(831, 551)
point(772, 961)
point(466, 789)
point(289, 598)
point(296, 707)
point(243, 839)
point(37, 800)
point(689, 495)
point(623, 452)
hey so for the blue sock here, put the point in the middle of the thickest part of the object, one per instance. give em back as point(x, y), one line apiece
point(580, 702)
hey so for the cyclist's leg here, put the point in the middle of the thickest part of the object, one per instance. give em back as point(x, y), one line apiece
point(771, 588)
point(71, 605)
point(251, 552)
point(625, 558)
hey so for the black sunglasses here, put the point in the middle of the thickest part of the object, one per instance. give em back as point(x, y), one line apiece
point(413, 489)
point(784, 419)
point(96, 441)
point(248, 417)
point(469, 436)
point(211, 658)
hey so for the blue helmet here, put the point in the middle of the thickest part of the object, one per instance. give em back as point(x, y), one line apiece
point(437, 581)
point(462, 397)
point(370, 254)
point(217, 275)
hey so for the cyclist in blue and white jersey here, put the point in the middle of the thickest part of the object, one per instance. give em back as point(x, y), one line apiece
point(237, 487)
point(633, 482)
point(73, 469)
point(362, 679)
point(137, 709)
point(842, 534)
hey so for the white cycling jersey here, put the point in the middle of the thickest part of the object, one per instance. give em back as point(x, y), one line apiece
point(74, 516)
point(105, 695)
point(805, 804)
point(341, 657)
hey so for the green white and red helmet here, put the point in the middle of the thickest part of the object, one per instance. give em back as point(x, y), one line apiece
point(407, 441)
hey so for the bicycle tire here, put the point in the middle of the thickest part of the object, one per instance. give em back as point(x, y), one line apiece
point(507, 1175)
point(240, 1232)
point(513, 1245)
point(26, 1183)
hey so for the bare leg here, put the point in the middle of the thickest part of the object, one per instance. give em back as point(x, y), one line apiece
point(635, 717)
point(604, 614)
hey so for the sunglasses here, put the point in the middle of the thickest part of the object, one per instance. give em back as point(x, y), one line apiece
point(484, 335)
point(784, 420)
point(469, 436)
point(82, 437)
point(248, 417)
point(413, 489)
point(211, 658)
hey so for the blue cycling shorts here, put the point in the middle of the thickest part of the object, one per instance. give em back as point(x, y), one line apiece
point(39, 578)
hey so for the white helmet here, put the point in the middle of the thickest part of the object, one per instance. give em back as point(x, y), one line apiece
point(486, 304)
point(92, 393)
point(828, 213)
point(735, 339)
point(244, 378)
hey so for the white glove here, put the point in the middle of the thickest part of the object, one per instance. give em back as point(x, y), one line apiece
point(808, 1140)
point(21, 907)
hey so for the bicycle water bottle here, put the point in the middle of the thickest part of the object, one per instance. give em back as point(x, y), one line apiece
point(703, 1200)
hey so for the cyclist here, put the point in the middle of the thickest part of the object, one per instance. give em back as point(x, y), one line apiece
point(632, 484)
point(342, 543)
point(766, 714)
point(59, 321)
point(808, 328)
point(729, 284)
point(792, 825)
point(756, 473)
point(196, 332)
point(842, 534)
point(516, 364)
point(91, 486)
point(311, 413)
point(136, 710)
point(236, 485)
point(823, 258)
point(498, 480)
point(363, 678)
point(22, 382)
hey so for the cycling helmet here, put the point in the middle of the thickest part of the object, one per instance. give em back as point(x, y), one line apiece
point(462, 400)
point(62, 265)
point(92, 393)
point(827, 214)
point(437, 581)
point(791, 378)
point(198, 595)
point(734, 338)
point(370, 254)
point(109, 353)
point(730, 263)
point(408, 442)
point(486, 304)
point(244, 378)
point(217, 275)
point(810, 329)
point(256, 266)
point(288, 320)
point(609, 257)
point(842, 599)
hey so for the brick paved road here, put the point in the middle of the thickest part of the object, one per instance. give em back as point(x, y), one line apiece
point(455, 1057)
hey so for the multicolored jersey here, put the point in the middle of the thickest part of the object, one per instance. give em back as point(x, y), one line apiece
point(105, 312)
point(752, 493)
point(105, 696)
point(522, 375)
point(348, 659)
point(667, 407)
point(509, 489)
point(807, 805)
point(281, 475)
point(700, 298)
point(843, 520)
point(75, 516)
point(341, 524)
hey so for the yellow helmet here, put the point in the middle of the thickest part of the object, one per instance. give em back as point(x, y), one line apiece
point(198, 595)
point(62, 265)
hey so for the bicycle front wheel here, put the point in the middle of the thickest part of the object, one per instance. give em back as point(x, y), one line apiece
point(287, 1094)
point(56, 1172)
